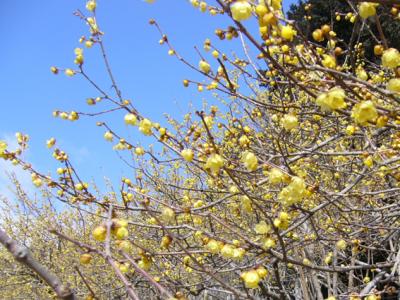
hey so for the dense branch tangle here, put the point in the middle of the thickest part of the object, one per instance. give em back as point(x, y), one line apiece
point(287, 189)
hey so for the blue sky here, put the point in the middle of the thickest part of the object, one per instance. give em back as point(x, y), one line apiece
point(37, 36)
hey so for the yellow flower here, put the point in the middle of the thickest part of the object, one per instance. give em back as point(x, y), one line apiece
point(145, 126)
point(139, 151)
point(215, 162)
point(367, 9)
point(261, 10)
point(394, 85)
point(364, 112)
point(50, 143)
point(294, 192)
point(241, 10)
point(328, 258)
point(213, 246)
point(130, 119)
point(251, 279)
point(269, 243)
point(262, 228)
point(289, 122)
point(99, 233)
point(318, 35)
point(168, 214)
point(369, 162)
point(3, 148)
point(69, 72)
point(262, 272)
point(287, 32)
point(238, 253)
point(204, 66)
point(187, 154)
point(328, 61)
point(275, 176)
point(332, 100)
point(391, 58)
point(121, 233)
point(244, 140)
point(250, 161)
point(227, 251)
point(362, 74)
point(276, 4)
point(85, 258)
point(350, 130)
point(108, 136)
point(341, 245)
point(91, 5)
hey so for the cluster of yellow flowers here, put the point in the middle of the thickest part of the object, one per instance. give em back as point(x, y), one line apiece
point(294, 192)
point(252, 278)
point(332, 100)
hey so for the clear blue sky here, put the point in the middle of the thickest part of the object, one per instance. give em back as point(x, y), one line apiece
point(39, 34)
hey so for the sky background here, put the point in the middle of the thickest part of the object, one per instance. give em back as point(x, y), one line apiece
point(36, 36)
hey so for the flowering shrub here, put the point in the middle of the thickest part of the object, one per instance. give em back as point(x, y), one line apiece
point(288, 189)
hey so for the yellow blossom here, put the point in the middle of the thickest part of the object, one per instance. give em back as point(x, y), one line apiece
point(227, 251)
point(294, 192)
point(332, 100)
point(262, 228)
point(130, 119)
point(287, 32)
point(289, 122)
point(108, 136)
point(367, 9)
point(3, 148)
point(391, 58)
point(204, 66)
point(364, 112)
point(139, 151)
point(145, 126)
point(214, 162)
point(250, 161)
point(168, 214)
point(99, 233)
point(69, 72)
point(328, 61)
point(394, 85)
point(275, 176)
point(187, 154)
point(241, 10)
point(251, 279)
point(341, 244)
point(91, 5)
point(369, 162)
point(213, 246)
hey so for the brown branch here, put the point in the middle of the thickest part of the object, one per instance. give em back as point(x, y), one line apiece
point(24, 256)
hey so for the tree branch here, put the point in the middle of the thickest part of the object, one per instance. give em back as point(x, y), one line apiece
point(24, 256)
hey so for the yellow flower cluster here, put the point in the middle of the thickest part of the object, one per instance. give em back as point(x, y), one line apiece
point(367, 9)
point(187, 154)
point(332, 100)
point(289, 122)
point(253, 277)
point(364, 112)
point(250, 161)
point(214, 162)
point(391, 58)
point(294, 192)
point(3, 148)
point(145, 126)
point(241, 10)
point(393, 85)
